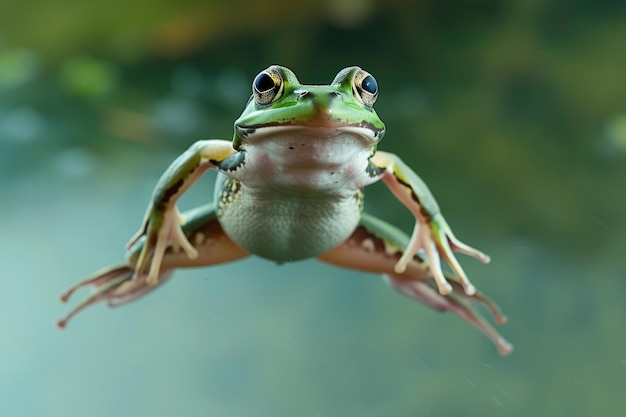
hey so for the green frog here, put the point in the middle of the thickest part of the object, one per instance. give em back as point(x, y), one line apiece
point(290, 187)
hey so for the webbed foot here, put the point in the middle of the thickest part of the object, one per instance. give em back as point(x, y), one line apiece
point(458, 302)
point(113, 285)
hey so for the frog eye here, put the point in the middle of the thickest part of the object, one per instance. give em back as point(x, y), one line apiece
point(365, 87)
point(267, 86)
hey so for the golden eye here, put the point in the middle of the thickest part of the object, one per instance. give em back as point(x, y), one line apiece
point(365, 88)
point(267, 86)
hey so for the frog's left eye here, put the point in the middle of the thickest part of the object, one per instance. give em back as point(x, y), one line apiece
point(267, 86)
point(365, 87)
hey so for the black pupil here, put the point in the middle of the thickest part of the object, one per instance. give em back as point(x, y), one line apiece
point(263, 82)
point(369, 84)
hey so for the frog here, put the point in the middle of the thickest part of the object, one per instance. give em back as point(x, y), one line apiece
point(290, 187)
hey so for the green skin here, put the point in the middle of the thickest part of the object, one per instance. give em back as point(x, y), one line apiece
point(290, 188)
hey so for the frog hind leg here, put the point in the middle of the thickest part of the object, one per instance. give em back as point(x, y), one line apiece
point(376, 246)
point(116, 285)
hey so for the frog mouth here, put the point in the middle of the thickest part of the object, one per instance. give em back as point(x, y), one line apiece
point(317, 128)
point(312, 150)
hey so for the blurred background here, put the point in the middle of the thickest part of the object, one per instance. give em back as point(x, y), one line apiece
point(514, 113)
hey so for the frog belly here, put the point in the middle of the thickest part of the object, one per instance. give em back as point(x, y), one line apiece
point(288, 228)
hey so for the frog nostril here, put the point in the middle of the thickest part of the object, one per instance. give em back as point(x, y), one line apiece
point(304, 94)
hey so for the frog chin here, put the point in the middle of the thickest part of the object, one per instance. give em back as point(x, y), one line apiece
point(305, 159)
point(311, 148)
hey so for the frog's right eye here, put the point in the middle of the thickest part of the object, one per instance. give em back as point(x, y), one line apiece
point(267, 87)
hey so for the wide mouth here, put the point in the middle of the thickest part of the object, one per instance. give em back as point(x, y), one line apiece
point(367, 132)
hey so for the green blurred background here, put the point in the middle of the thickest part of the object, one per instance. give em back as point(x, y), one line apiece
point(514, 112)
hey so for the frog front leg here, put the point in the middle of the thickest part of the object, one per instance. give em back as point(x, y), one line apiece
point(431, 232)
point(116, 285)
point(162, 222)
point(376, 246)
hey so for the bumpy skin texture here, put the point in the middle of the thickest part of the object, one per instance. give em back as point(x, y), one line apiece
point(290, 188)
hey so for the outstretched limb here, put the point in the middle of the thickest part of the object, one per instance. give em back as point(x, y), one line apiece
point(376, 246)
point(116, 285)
point(162, 222)
point(431, 232)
